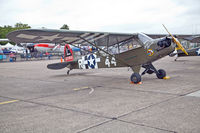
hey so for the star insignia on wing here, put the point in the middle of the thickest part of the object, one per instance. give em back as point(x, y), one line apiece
point(91, 61)
point(50, 38)
point(198, 51)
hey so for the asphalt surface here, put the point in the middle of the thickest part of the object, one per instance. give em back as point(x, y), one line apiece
point(34, 99)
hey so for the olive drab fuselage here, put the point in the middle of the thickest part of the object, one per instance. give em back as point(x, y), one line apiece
point(149, 51)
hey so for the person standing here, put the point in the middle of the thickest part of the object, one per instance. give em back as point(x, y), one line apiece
point(26, 54)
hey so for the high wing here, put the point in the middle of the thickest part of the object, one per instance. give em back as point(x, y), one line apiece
point(68, 36)
point(79, 37)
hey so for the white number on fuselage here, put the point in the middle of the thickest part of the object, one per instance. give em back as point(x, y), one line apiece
point(108, 62)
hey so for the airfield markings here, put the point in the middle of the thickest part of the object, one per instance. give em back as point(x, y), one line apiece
point(6, 102)
point(194, 94)
point(83, 88)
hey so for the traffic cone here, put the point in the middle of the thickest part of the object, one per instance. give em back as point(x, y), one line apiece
point(61, 59)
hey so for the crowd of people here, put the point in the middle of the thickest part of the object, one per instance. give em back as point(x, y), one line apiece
point(6, 55)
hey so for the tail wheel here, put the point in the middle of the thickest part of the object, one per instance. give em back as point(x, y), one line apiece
point(161, 74)
point(135, 78)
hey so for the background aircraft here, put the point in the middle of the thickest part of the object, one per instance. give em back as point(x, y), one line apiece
point(145, 49)
point(192, 48)
point(44, 47)
point(191, 52)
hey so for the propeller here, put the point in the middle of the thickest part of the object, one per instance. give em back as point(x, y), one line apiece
point(179, 46)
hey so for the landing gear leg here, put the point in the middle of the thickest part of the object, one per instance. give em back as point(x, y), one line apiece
point(149, 68)
point(69, 71)
point(176, 58)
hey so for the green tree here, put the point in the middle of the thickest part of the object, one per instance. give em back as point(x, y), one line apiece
point(22, 26)
point(7, 28)
point(65, 26)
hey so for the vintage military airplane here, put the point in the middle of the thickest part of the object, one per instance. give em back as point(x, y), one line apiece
point(191, 52)
point(138, 56)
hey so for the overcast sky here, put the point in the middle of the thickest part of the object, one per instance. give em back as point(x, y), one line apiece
point(127, 16)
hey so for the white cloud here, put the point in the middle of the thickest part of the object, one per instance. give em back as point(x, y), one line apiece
point(105, 15)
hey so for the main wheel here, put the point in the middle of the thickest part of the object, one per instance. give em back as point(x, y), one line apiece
point(161, 74)
point(135, 78)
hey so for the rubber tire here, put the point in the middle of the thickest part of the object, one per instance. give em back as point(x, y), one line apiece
point(135, 78)
point(161, 74)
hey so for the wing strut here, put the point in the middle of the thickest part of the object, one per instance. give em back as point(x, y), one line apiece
point(120, 60)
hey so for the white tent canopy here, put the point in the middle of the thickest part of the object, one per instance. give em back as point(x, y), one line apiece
point(17, 49)
point(4, 40)
point(8, 46)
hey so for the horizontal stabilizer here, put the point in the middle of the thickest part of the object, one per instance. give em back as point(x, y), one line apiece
point(57, 66)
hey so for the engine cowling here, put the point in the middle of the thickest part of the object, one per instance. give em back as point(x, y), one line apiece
point(166, 42)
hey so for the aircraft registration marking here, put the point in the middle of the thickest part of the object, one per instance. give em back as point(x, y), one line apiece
point(108, 62)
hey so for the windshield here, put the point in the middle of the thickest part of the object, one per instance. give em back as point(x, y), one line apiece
point(144, 38)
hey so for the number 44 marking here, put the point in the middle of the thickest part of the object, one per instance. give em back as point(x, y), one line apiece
point(108, 62)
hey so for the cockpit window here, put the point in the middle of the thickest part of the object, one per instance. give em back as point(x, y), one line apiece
point(144, 38)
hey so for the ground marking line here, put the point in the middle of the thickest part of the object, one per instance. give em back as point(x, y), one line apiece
point(92, 90)
point(6, 102)
point(86, 87)
point(80, 88)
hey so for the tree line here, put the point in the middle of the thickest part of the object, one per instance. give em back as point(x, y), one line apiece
point(4, 30)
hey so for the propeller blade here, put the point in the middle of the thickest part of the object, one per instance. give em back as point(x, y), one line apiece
point(180, 46)
point(176, 41)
